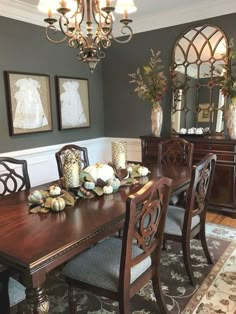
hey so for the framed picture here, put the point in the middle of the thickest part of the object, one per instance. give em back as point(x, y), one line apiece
point(204, 113)
point(73, 102)
point(28, 102)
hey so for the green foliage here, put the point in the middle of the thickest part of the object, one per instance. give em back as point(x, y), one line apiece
point(151, 82)
point(228, 80)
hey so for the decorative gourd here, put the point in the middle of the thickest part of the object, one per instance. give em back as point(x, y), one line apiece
point(115, 183)
point(130, 169)
point(58, 204)
point(100, 171)
point(36, 197)
point(54, 190)
point(89, 185)
point(143, 171)
point(107, 189)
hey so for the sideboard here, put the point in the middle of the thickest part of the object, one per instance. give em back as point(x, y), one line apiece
point(223, 194)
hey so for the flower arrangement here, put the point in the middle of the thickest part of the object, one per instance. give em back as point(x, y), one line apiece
point(228, 80)
point(151, 82)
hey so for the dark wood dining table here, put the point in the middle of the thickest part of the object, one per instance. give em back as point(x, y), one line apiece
point(35, 244)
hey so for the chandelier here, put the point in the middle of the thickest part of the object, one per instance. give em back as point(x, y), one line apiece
point(87, 25)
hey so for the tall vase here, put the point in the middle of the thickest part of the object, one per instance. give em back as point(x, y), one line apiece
point(231, 119)
point(156, 118)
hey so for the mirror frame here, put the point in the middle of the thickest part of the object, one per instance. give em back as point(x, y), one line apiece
point(181, 80)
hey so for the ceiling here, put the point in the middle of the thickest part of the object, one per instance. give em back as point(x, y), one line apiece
point(151, 14)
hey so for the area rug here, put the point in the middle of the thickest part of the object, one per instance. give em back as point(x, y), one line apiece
point(215, 291)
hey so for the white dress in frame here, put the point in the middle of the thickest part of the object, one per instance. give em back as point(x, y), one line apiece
point(72, 111)
point(29, 113)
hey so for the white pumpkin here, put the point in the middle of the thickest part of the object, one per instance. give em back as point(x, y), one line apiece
point(107, 189)
point(115, 183)
point(36, 197)
point(54, 190)
point(143, 171)
point(100, 171)
point(58, 204)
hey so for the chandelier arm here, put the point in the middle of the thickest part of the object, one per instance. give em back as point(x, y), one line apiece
point(54, 30)
point(64, 21)
point(123, 31)
point(95, 11)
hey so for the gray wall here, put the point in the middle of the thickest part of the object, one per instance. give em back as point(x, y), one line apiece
point(24, 48)
point(125, 114)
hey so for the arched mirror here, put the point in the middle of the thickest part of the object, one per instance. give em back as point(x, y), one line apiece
point(198, 60)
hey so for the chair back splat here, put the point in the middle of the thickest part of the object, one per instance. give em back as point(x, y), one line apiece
point(175, 151)
point(71, 147)
point(14, 175)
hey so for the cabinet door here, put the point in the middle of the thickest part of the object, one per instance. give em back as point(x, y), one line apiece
point(223, 188)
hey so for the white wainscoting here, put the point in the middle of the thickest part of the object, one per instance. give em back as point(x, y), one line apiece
point(42, 164)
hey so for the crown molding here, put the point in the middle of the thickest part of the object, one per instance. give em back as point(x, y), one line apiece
point(21, 11)
point(197, 10)
point(156, 15)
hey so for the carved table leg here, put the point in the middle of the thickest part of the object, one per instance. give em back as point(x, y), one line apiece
point(37, 301)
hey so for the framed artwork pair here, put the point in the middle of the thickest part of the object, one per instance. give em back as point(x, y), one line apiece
point(29, 102)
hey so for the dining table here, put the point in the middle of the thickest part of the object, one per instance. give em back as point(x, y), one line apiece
point(33, 244)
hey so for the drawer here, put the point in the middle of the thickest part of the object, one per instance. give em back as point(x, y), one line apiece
point(229, 157)
point(214, 147)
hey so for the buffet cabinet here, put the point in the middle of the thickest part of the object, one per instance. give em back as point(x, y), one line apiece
point(223, 193)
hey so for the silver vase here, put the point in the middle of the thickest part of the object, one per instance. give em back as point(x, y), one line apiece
point(231, 119)
point(156, 118)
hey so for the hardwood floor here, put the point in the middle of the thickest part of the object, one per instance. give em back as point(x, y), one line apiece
point(221, 219)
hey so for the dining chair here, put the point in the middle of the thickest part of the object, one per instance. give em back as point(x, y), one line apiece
point(185, 224)
point(71, 147)
point(117, 268)
point(14, 175)
point(12, 294)
point(177, 152)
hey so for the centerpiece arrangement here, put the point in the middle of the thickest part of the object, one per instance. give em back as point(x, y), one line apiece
point(151, 84)
point(95, 180)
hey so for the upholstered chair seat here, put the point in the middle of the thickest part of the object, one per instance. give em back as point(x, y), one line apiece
point(100, 265)
point(175, 220)
point(16, 292)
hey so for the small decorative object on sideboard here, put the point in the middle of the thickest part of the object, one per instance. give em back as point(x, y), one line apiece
point(151, 85)
point(194, 131)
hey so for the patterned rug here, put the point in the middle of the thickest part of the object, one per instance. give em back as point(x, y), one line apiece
point(215, 291)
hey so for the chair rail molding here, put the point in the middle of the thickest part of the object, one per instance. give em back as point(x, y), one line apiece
point(41, 160)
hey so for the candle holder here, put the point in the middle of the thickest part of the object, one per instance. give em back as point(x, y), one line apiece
point(71, 169)
point(119, 154)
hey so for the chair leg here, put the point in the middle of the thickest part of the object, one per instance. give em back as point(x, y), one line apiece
point(72, 305)
point(124, 303)
point(164, 243)
point(204, 245)
point(187, 261)
point(158, 294)
point(4, 296)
